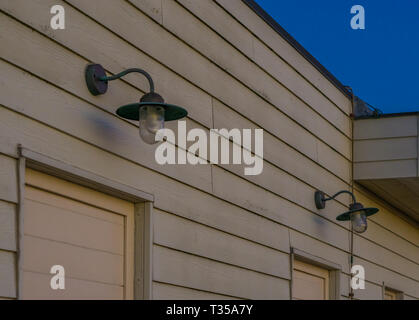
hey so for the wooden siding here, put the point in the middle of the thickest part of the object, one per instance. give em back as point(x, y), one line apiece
point(7, 274)
point(64, 220)
point(386, 148)
point(8, 228)
point(386, 160)
point(213, 226)
point(389, 249)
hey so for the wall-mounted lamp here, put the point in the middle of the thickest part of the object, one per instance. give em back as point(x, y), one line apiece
point(151, 111)
point(357, 213)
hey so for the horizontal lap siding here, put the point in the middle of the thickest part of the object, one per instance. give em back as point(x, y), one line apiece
point(198, 69)
point(8, 178)
point(385, 149)
point(216, 18)
point(8, 227)
point(385, 169)
point(87, 122)
point(7, 274)
point(389, 249)
point(387, 145)
point(179, 268)
point(200, 207)
point(185, 235)
point(164, 291)
point(214, 226)
point(274, 41)
point(382, 240)
point(82, 263)
point(385, 128)
point(75, 288)
point(62, 222)
point(216, 49)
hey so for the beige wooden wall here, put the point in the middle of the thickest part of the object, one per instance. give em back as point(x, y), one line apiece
point(386, 148)
point(217, 233)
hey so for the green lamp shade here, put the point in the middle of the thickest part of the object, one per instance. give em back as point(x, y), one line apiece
point(132, 111)
point(347, 215)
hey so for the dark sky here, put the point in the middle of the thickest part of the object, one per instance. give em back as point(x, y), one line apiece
point(380, 63)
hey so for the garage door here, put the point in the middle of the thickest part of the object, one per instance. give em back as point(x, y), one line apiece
point(390, 294)
point(87, 232)
point(310, 282)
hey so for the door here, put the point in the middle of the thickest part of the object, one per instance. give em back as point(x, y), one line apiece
point(310, 282)
point(390, 294)
point(88, 233)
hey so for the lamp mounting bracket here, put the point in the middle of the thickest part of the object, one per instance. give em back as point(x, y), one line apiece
point(320, 198)
point(97, 81)
point(93, 75)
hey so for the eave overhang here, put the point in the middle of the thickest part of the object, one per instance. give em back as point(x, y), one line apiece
point(386, 159)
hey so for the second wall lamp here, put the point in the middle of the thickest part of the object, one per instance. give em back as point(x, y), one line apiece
point(151, 111)
point(357, 213)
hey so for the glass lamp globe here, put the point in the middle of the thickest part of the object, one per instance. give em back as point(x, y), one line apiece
point(359, 221)
point(358, 216)
point(151, 120)
point(152, 113)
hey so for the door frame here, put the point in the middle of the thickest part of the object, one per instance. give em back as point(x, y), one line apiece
point(141, 288)
point(399, 295)
point(334, 269)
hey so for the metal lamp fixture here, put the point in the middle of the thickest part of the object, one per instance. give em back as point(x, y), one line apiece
point(151, 111)
point(357, 213)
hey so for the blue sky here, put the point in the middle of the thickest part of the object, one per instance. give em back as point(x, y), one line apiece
point(380, 63)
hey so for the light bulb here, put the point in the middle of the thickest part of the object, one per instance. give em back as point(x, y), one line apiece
point(151, 121)
point(359, 221)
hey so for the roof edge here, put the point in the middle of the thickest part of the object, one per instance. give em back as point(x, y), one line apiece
point(294, 43)
point(388, 115)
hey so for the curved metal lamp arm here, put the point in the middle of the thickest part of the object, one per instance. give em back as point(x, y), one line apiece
point(320, 198)
point(97, 81)
point(340, 192)
point(123, 73)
